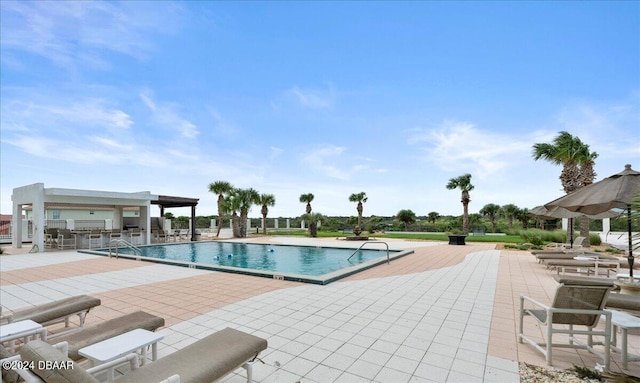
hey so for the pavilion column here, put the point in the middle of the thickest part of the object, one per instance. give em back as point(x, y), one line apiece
point(193, 222)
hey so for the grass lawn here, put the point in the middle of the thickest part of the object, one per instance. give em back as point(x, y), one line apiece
point(418, 236)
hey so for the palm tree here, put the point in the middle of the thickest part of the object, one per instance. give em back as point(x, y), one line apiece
point(359, 198)
point(510, 211)
point(313, 219)
point(220, 188)
point(266, 200)
point(247, 197)
point(491, 210)
point(463, 183)
point(231, 205)
point(523, 216)
point(406, 216)
point(577, 166)
point(307, 198)
point(433, 217)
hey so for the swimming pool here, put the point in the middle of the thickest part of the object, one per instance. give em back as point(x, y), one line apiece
point(298, 263)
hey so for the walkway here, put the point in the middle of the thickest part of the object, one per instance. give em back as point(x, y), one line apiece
point(443, 314)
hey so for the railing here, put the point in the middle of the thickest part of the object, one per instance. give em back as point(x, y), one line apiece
point(364, 243)
point(121, 242)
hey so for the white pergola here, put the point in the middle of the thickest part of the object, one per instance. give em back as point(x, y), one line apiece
point(39, 197)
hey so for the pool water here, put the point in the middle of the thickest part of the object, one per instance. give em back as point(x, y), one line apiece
point(304, 260)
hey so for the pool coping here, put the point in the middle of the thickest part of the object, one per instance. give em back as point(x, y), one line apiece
point(324, 279)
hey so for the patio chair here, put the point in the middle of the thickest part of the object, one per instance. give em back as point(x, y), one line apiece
point(577, 244)
point(584, 266)
point(50, 238)
point(95, 238)
point(66, 240)
point(577, 303)
point(136, 237)
point(206, 360)
point(55, 312)
point(107, 329)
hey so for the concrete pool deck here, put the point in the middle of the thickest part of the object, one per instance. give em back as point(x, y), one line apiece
point(443, 314)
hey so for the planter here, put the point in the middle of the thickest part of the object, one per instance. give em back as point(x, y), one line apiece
point(358, 238)
point(457, 239)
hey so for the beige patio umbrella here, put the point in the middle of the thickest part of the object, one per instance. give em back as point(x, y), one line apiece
point(559, 212)
point(616, 191)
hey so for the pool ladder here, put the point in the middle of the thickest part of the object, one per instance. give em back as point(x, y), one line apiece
point(364, 243)
point(121, 242)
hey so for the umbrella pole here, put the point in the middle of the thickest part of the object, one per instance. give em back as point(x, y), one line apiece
point(630, 257)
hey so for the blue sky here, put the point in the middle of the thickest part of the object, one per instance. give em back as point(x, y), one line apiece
point(329, 98)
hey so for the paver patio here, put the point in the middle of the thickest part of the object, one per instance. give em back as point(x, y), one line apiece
point(442, 314)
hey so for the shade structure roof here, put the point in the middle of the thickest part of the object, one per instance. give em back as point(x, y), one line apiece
point(169, 201)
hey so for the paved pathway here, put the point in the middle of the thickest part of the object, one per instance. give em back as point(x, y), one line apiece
point(433, 316)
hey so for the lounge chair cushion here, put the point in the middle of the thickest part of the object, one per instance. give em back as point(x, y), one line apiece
point(206, 360)
point(58, 309)
point(8, 376)
point(38, 351)
point(623, 302)
point(584, 281)
point(109, 329)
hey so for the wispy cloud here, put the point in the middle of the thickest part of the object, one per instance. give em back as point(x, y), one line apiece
point(89, 113)
point(334, 161)
point(460, 146)
point(308, 98)
point(164, 115)
point(79, 33)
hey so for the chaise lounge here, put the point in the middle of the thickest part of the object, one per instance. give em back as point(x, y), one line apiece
point(206, 360)
point(55, 312)
point(108, 329)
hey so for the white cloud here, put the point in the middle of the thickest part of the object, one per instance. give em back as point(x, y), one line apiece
point(75, 35)
point(306, 98)
point(165, 116)
point(460, 146)
point(89, 113)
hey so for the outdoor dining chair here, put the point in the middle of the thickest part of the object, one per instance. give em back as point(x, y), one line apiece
point(577, 303)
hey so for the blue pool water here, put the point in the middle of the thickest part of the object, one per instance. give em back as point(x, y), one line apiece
point(304, 260)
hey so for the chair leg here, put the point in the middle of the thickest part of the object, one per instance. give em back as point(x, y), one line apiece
point(249, 367)
point(549, 340)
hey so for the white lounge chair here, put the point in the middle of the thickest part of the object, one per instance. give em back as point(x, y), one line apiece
point(206, 360)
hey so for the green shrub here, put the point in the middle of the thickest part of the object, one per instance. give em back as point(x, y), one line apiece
point(594, 239)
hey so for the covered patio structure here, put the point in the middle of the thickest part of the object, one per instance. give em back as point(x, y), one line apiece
point(39, 197)
point(165, 201)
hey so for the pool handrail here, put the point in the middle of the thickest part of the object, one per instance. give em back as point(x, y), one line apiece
point(121, 242)
point(364, 243)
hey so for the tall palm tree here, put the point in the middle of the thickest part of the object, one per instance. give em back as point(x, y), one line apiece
point(359, 198)
point(307, 198)
point(247, 197)
point(577, 166)
point(220, 188)
point(463, 183)
point(266, 200)
point(491, 210)
point(231, 205)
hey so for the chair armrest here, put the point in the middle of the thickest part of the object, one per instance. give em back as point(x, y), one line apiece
point(132, 359)
point(535, 302)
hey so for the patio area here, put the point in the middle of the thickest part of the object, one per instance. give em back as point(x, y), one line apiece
point(443, 314)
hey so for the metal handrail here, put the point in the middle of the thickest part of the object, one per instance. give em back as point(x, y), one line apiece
point(364, 243)
point(121, 242)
